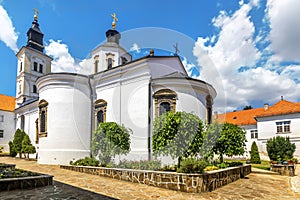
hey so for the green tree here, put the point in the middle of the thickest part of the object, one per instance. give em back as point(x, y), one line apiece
point(27, 147)
point(17, 141)
point(280, 148)
point(109, 140)
point(231, 141)
point(254, 154)
point(12, 151)
point(249, 107)
point(177, 134)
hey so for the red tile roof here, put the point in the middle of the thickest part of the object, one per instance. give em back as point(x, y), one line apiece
point(7, 103)
point(247, 117)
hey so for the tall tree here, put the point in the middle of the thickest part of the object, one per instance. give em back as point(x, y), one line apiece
point(280, 148)
point(27, 147)
point(17, 141)
point(231, 141)
point(109, 140)
point(254, 154)
point(177, 134)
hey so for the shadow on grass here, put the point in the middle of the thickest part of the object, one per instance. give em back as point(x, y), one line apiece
point(56, 191)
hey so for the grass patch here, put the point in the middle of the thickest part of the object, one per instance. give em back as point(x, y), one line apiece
point(265, 165)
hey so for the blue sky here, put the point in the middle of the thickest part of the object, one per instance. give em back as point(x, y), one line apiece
point(248, 50)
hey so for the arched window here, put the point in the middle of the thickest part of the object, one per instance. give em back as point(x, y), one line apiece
point(41, 68)
point(209, 103)
point(165, 101)
point(164, 107)
point(43, 109)
point(100, 112)
point(109, 63)
point(34, 90)
point(35, 66)
point(22, 122)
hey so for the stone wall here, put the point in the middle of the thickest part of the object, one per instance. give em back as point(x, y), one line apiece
point(195, 183)
point(285, 170)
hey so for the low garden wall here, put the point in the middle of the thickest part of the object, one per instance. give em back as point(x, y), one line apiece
point(7, 184)
point(195, 183)
point(285, 170)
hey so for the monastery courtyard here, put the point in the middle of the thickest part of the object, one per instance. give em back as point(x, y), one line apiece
point(75, 185)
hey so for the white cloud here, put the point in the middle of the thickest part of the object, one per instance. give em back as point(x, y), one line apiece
point(135, 48)
point(62, 59)
point(7, 31)
point(234, 47)
point(285, 29)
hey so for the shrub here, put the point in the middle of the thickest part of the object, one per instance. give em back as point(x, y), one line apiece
point(191, 165)
point(254, 154)
point(87, 161)
point(280, 148)
point(143, 164)
point(169, 168)
point(12, 151)
point(223, 165)
point(210, 168)
point(27, 147)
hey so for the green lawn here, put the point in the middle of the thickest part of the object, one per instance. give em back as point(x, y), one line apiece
point(264, 164)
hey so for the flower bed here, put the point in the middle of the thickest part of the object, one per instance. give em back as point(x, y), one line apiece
point(195, 183)
point(11, 178)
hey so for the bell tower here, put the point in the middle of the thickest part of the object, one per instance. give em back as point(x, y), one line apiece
point(32, 64)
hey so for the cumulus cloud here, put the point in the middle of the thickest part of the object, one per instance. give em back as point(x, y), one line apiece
point(284, 18)
point(135, 48)
point(234, 55)
point(7, 31)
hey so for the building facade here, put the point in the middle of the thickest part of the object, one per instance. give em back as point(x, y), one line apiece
point(61, 111)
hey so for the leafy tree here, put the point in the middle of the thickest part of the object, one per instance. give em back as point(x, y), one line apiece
point(109, 140)
point(12, 151)
point(17, 141)
point(254, 154)
point(177, 134)
point(247, 107)
point(231, 141)
point(280, 148)
point(27, 147)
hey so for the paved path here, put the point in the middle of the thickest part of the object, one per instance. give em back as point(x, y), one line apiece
point(255, 186)
point(295, 181)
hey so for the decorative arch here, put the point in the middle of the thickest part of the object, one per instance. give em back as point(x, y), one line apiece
point(100, 111)
point(209, 103)
point(43, 118)
point(165, 101)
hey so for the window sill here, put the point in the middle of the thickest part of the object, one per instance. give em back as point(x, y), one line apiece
point(43, 134)
point(283, 132)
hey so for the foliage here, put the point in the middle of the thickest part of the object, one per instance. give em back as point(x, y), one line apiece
point(211, 135)
point(27, 147)
point(12, 151)
point(191, 165)
point(1, 149)
point(294, 160)
point(17, 141)
point(14, 173)
point(223, 165)
point(231, 141)
point(254, 154)
point(280, 148)
point(177, 134)
point(247, 107)
point(143, 164)
point(169, 168)
point(87, 161)
point(110, 139)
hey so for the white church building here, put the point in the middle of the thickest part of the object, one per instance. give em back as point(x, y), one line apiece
point(60, 111)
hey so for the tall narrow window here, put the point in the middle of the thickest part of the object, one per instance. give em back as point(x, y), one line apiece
point(165, 101)
point(22, 122)
point(35, 66)
point(109, 63)
point(209, 102)
point(34, 90)
point(21, 66)
point(1, 133)
point(43, 109)
point(100, 112)
point(1, 118)
point(41, 68)
point(164, 107)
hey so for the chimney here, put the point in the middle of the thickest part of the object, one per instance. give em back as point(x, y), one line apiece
point(216, 115)
point(281, 98)
point(152, 52)
point(266, 106)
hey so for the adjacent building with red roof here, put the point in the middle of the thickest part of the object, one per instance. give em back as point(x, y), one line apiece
point(261, 124)
point(7, 120)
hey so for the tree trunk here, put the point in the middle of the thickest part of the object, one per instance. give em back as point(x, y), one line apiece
point(221, 158)
point(179, 160)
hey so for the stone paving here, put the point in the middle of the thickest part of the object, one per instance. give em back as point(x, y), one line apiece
point(255, 186)
point(295, 181)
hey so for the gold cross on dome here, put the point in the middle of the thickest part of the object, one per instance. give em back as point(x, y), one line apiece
point(114, 16)
point(36, 13)
point(176, 49)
